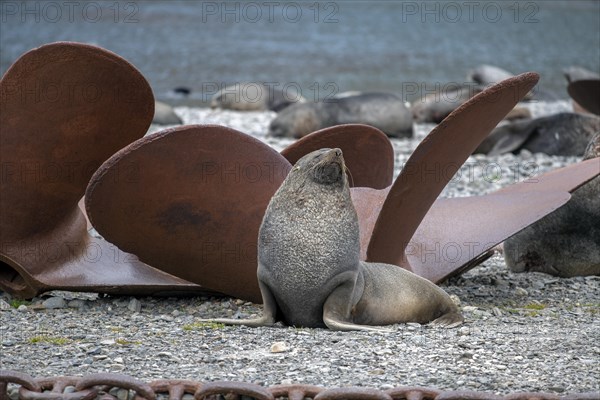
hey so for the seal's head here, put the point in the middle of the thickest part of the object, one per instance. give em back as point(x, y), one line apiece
point(323, 167)
point(296, 121)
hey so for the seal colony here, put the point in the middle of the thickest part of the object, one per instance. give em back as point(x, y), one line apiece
point(309, 268)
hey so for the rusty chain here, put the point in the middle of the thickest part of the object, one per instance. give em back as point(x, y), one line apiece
point(107, 386)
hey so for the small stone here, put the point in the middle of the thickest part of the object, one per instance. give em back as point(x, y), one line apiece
point(107, 342)
point(22, 308)
point(469, 308)
point(497, 312)
point(118, 360)
point(464, 331)
point(4, 306)
point(279, 347)
point(54, 303)
point(455, 299)
point(134, 305)
point(77, 303)
point(519, 291)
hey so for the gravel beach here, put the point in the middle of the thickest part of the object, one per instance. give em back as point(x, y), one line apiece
point(523, 332)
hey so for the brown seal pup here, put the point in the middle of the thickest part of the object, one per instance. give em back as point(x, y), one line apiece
point(309, 268)
point(566, 242)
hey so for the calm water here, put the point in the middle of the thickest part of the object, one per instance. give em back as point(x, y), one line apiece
point(319, 47)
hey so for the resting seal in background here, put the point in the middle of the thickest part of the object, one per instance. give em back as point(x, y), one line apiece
point(309, 271)
point(384, 111)
point(566, 242)
point(563, 134)
point(253, 97)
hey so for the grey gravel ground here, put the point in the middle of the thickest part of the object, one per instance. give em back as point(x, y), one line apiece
point(523, 332)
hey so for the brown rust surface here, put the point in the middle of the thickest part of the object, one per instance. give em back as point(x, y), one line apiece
point(368, 153)
point(99, 384)
point(435, 161)
point(586, 94)
point(65, 108)
point(194, 208)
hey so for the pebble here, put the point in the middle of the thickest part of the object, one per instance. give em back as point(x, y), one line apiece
point(4, 306)
point(279, 347)
point(503, 346)
point(134, 305)
point(54, 302)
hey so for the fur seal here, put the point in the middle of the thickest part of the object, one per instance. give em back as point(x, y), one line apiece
point(309, 268)
point(384, 111)
point(435, 107)
point(566, 242)
point(563, 134)
point(488, 74)
point(252, 96)
point(165, 115)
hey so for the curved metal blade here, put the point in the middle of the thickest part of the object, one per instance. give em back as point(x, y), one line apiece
point(368, 152)
point(586, 93)
point(435, 161)
point(66, 107)
point(189, 201)
point(458, 230)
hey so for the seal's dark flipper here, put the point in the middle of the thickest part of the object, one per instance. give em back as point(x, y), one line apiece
point(189, 201)
point(511, 137)
point(368, 152)
point(435, 161)
point(586, 93)
point(66, 107)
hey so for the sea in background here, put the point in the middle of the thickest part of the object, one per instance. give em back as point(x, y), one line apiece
point(318, 48)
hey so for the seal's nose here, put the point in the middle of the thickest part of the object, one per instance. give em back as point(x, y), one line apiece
point(337, 152)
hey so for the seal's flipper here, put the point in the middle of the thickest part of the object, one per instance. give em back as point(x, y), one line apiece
point(586, 94)
point(368, 152)
point(193, 204)
point(268, 318)
point(510, 137)
point(435, 161)
point(66, 107)
point(450, 320)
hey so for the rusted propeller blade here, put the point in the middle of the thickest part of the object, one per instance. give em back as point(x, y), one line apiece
point(195, 206)
point(368, 152)
point(459, 229)
point(435, 161)
point(66, 107)
point(567, 179)
point(586, 93)
point(458, 233)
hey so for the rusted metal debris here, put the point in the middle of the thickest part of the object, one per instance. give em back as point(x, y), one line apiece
point(195, 209)
point(189, 201)
point(368, 152)
point(586, 94)
point(66, 107)
point(99, 386)
point(216, 183)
